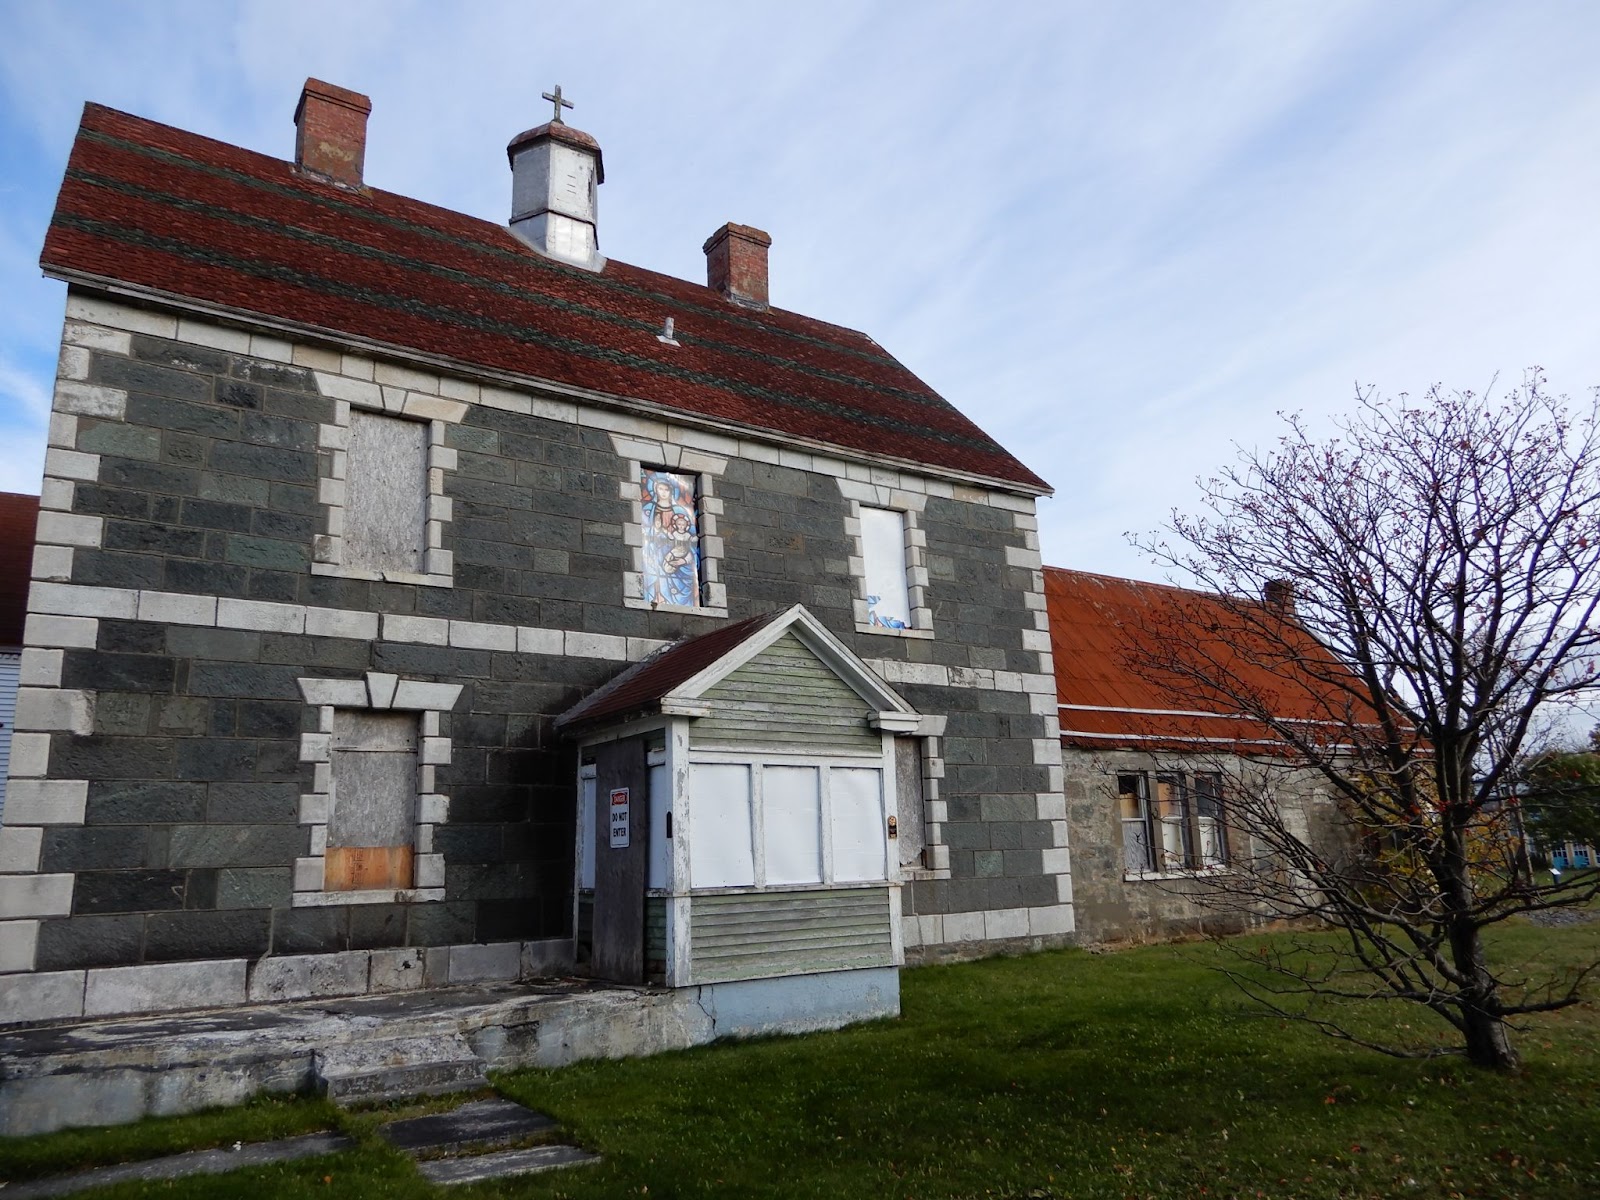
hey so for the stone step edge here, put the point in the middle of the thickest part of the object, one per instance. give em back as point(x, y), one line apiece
point(504, 1164)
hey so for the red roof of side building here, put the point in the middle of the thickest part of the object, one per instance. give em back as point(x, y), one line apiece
point(1110, 637)
point(18, 517)
point(149, 210)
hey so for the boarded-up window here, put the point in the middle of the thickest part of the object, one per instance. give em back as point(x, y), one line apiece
point(660, 862)
point(883, 546)
point(373, 800)
point(791, 808)
point(722, 855)
point(386, 493)
point(763, 824)
point(857, 825)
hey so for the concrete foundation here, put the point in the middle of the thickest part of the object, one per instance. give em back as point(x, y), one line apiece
point(115, 1071)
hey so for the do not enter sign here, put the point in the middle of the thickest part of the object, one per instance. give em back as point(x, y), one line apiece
point(619, 819)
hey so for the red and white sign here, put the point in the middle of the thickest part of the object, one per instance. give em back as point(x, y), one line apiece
point(619, 819)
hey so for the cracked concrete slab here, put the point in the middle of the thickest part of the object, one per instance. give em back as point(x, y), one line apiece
point(115, 1070)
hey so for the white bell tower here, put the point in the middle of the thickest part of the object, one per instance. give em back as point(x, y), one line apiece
point(555, 171)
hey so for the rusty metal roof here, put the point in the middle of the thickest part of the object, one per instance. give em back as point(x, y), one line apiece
point(639, 689)
point(1110, 638)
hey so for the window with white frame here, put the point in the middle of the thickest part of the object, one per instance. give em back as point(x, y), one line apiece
point(889, 566)
point(373, 806)
point(386, 494)
point(372, 800)
point(883, 556)
point(669, 527)
point(783, 823)
point(382, 490)
point(1171, 822)
point(676, 549)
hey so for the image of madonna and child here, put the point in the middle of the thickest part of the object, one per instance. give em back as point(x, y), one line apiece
point(671, 539)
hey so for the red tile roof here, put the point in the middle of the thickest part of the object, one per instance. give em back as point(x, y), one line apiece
point(159, 211)
point(18, 517)
point(1109, 637)
point(639, 689)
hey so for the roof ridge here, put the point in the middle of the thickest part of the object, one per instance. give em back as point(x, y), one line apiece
point(1202, 593)
point(147, 209)
point(711, 305)
point(751, 391)
point(531, 295)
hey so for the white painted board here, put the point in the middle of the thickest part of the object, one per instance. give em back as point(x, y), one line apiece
point(720, 854)
point(791, 807)
point(857, 827)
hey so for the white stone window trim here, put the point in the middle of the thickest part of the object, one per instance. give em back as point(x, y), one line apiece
point(377, 692)
point(639, 457)
point(910, 506)
point(935, 810)
point(407, 399)
point(1190, 873)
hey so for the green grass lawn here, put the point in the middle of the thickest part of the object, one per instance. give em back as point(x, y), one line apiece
point(1141, 1073)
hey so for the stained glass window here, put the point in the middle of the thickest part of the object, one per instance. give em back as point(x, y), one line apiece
point(671, 538)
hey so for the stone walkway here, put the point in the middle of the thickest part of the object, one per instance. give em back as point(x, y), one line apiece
point(196, 1162)
point(459, 1146)
point(474, 1142)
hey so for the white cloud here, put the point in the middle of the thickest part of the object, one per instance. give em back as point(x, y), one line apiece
point(1121, 237)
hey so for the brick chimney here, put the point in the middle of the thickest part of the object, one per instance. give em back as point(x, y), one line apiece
point(330, 138)
point(736, 264)
point(1279, 595)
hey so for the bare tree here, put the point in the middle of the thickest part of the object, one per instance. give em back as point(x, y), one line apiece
point(1432, 576)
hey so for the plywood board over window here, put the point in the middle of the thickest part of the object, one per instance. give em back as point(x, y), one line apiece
point(374, 800)
point(386, 505)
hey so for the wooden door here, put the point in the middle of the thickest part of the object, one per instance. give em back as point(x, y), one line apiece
point(621, 858)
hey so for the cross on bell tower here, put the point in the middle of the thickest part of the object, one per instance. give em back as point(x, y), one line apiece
point(560, 103)
point(555, 170)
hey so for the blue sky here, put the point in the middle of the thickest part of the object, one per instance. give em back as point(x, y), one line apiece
point(1122, 237)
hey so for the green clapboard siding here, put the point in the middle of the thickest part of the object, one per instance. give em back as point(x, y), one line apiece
point(754, 935)
point(785, 696)
point(655, 928)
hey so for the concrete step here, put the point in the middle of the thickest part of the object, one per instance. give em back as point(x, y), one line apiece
point(475, 1126)
point(504, 1164)
point(394, 1068)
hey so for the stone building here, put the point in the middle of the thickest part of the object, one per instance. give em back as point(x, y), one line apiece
point(349, 498)
point(1149, 774)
